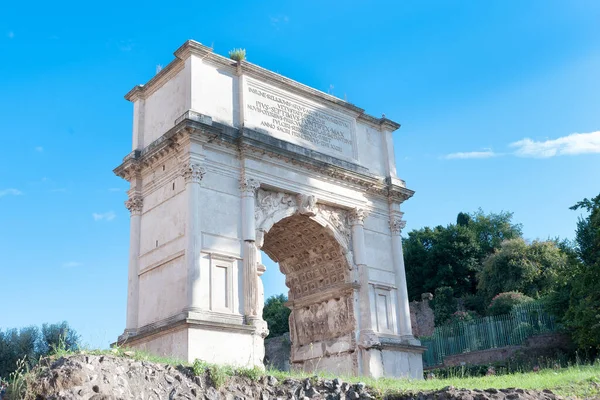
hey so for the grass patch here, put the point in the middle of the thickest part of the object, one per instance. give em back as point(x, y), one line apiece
point(578, 380)
point(220, 374)
point(582, 381)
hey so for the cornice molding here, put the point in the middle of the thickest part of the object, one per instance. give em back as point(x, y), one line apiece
point(255, 144)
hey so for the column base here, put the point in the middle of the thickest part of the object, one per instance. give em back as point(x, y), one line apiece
point(259, 324)
point(394, 356)
point(127, 333)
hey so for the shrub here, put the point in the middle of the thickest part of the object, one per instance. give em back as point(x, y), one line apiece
point(474, 303)
point(504, 302)
point(522, 332)
point(444, 304)
point(237, 54)
point(462, 316)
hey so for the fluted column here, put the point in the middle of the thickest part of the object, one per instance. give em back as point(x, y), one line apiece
point(248, 188)
point(396, 226)
point(357, 220)
point(192, 174)
point(134, 205)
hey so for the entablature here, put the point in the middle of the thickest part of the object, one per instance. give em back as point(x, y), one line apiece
point(251, 143)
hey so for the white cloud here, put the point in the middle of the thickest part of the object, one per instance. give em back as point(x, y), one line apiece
point(39, 149)
point(107, 216)
point(10, 34)
point(126, 45)
point(470, 154)
point(10, 192)
point(573, 144)
point(279, 19)
point(72, 264)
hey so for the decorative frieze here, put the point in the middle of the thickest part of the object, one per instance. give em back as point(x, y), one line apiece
point(192, 172)
point(338, 219)
point(269, 203)
point(169, 143)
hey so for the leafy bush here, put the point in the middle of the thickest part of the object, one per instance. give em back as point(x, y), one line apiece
point(523, 331)
point(444, 304)
point(462, 316)
point(237, 54)
point(504, 302)
point(474, 303)
point(529, 268)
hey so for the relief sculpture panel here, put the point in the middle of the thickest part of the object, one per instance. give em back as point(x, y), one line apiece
point(323, 320)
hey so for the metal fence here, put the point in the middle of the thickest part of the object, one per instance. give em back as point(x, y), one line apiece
point(487, 332)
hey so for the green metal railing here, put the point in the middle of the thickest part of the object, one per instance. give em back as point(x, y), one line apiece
point(487, 333)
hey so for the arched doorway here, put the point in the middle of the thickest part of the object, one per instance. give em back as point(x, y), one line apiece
point(313, 256)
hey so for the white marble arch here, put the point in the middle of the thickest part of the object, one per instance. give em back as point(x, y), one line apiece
point(330, 302)
point(225, 152)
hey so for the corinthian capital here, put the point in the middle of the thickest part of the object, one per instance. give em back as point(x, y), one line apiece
point(357, 216)
point(135, 204)
point(397, 224)
point(192, 172)
point(249, 186)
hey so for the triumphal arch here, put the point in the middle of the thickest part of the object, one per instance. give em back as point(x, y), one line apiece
point(230, 159)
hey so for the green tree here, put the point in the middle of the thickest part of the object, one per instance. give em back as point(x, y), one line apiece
point(492, 229)
point(443, 256)
point(58, 336)
point(521, 267)
point(31, 343)
point(16, 344)
point(453, 255)
point(444, 304)
point(277, 315)
point(463, 219)
point(557, 302)
point(583, 314)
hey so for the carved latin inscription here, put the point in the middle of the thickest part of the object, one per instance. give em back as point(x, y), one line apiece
point(293, 119)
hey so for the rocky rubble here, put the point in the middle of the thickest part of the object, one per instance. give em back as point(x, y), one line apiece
point(96, 377)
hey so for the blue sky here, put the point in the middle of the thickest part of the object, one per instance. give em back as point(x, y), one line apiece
point(489, 95)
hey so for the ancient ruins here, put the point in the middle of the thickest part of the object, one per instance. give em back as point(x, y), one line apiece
point(230, 159)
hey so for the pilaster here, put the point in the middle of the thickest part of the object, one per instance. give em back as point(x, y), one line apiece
point(248, 188)
point(192, 173)
point(366, 336)
point(396, 226)
point(135, 206)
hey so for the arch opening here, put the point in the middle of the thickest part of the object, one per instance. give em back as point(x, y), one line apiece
point(321, 294)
